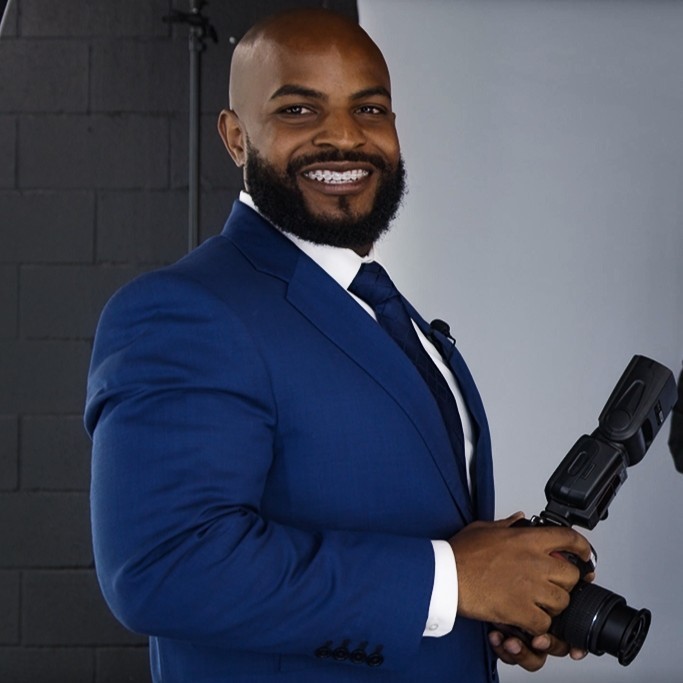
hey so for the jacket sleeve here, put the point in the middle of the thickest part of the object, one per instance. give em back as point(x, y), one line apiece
point(182, 416)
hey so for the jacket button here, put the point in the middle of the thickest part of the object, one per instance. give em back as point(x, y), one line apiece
point(375, 659)
point(324, 651)
point(341, 653)
point(358, 656)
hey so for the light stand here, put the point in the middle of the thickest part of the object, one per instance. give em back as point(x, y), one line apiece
point(200, 28)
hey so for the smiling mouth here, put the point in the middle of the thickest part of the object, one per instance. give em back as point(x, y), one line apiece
point(337, 177)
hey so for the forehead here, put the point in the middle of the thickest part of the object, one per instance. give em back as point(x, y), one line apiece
point(334, 68)
point(330, 63)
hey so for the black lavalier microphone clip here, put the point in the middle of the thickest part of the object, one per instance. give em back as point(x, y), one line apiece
point(442, 327)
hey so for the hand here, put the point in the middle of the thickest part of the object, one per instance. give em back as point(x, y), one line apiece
point(533, 657)
point(531, 654)
point(513, 575)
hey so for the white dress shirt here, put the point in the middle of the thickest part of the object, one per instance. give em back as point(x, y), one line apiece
point(342, 265)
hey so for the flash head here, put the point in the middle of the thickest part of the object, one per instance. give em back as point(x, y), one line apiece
point(584, 484)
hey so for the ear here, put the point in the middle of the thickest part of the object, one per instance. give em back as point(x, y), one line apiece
point(234, 138)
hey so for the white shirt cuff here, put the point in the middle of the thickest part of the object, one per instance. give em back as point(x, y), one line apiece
point(444, 603)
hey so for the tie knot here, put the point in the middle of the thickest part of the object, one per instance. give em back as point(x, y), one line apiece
point(373, 285)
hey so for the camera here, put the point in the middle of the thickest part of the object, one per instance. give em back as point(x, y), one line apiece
point(579, 493)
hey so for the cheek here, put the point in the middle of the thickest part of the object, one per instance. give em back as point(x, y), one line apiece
point(388, 143)
point(280, 146)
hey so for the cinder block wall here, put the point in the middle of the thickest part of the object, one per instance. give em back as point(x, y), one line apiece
point(93, 190)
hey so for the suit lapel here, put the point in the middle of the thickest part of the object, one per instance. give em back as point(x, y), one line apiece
point(336, 315)
point(345, 323)
point(483, 466)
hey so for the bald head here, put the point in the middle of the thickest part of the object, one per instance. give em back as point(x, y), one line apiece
point(311, 123)
point(299, 31)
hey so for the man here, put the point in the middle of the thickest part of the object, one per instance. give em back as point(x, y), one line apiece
point(280, 489)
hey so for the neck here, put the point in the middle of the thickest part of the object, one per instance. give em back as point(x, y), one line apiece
point(363, 250)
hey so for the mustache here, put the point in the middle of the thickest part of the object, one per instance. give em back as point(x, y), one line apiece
point(375, 160)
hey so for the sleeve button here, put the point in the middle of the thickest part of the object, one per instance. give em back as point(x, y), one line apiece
point(324, 651)
point(358, 656)
point(375, 659)
point(341, 654)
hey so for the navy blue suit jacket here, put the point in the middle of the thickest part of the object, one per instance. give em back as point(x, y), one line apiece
point(268, 471)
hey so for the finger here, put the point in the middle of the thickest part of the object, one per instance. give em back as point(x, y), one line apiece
point(511, 519)
point(557, 594)
point(502, 523)
point(513, 651)
point(541, 643)
point(553, 596)
point(551, 645)
point(571, 541)
point(555, 539)
point(536, 621)
point(577, 654)
point(563, 573)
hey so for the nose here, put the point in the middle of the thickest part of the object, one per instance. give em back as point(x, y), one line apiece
point(340, 130)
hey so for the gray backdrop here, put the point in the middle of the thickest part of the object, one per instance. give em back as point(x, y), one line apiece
point(544, 147)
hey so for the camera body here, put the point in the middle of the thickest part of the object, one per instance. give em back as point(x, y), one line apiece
point(580, 491)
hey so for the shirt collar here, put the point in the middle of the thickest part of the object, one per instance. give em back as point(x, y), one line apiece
point(340, 263)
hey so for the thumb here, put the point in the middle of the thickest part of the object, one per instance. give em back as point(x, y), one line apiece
point(509, 521)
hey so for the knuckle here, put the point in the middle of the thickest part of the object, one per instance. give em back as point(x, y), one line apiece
point(560, 599)
point(540, 624)
point(563, 600)
point(558, 605)
point(571, 575)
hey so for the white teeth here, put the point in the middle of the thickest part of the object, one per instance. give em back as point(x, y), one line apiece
point(336, 178)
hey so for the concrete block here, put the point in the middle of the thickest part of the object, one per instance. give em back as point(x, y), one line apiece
point(65, 302)
point(123, 665)
point(141, 227)
point(215, 208)
point(47, 665)
point(151, 227)
point(9, 293)
point(9, 456)
point(8, 143)
point(216, 63)
point(43, 76)
point(66, 608)
point(132, 76)
point(47, 227)
point(89, 18)
point(347, 7)
point(235, 23)
point(75, 151)
point(55, 453)
point(217, 169)
point(43, 376)
point(9, 614)
point(45, 530)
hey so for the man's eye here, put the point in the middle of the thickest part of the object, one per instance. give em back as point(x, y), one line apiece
point(296, 110)
point(371, 109)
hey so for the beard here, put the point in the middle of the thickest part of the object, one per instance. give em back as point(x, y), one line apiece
point(280, 200)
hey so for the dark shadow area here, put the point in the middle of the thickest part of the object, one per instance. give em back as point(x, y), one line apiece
point(93, 191)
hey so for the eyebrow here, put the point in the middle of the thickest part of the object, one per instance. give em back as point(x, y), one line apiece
point(369, 92)
point(302, 91)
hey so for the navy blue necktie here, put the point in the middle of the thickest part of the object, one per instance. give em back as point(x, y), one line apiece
point(374, 286)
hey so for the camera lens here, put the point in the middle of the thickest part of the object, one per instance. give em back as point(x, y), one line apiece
point(600, 621)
